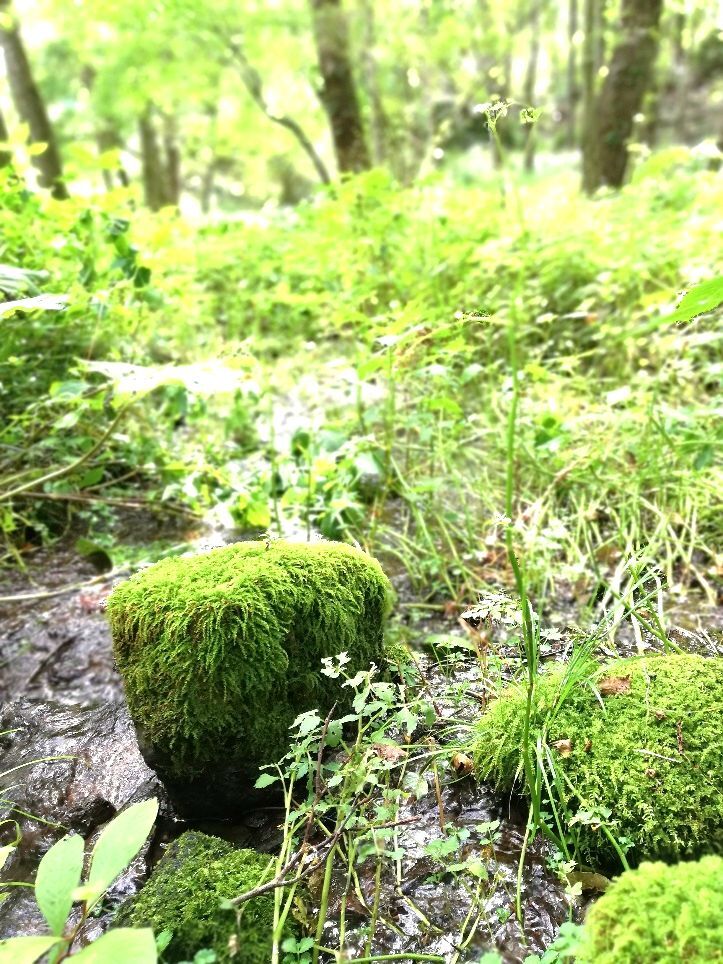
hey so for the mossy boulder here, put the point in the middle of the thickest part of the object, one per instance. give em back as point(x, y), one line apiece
point(220, 652)
point(642, 738)
point(184, 895)
point(658, 914)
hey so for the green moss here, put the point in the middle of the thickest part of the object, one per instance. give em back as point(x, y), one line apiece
point(184, 895)
point(658, 914)
point(220, 652)
point(626, 751)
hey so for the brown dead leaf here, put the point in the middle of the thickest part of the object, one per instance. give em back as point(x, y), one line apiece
point(563, 747)
point(660, 714)
point(614, 685)
point(461, 763)
point(588, 746)
point(650, 772)
point(389, 752)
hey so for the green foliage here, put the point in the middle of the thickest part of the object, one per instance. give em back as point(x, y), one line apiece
point(57, 888)
point(699, 300)
point(658, 914)
point(642, 765)
point(219, 652)
point(185, 894)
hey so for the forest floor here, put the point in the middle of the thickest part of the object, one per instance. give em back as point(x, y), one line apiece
point(64, 708)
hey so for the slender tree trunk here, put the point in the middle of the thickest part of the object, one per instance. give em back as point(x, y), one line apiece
point(622, 93)
point(31, 108)
point(108, 139)
point(6, 157)
point(172, 179)
point(378, 120)
point(573, 88)
point(252, 82)
point(589, 76)
point(529, 85)
point(338, 92)
point(680, 67)
point(151, 161)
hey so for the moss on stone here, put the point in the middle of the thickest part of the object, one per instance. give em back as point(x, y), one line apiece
point(652, 753)
point(658, 914)
point(220, 652)
point(184, 894)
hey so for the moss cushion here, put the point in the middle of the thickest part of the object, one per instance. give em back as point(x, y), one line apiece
point(641, 739)
point(184, 895)
point(220, 652)
point(658, 914)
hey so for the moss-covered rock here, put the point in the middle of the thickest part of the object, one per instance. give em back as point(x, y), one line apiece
point(658, 914)
point(642, 738)
point(184, 895)
point(220, 652)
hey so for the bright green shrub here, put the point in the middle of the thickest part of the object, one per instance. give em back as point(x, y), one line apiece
point(625, 755)
point(184, 895)
point(658, 914)
point(220, 652)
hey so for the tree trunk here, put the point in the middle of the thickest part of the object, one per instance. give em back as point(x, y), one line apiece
point(621, 96)
point(6, 157)
point(31, 108)
point(680, 66)
point(108, 139)
point(338, 92)
point(529, 85)
point(378, 120)
point(589, 76)
point(573, 89)
point(151, 161)
point(172, 179)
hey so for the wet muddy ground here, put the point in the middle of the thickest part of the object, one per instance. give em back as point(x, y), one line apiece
point(61, 698)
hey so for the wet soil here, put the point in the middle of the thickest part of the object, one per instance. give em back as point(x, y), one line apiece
point(61, 698)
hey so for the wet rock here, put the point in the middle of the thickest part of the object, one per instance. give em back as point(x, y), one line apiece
point(221, 651)
point(64, 769)
point(59, 648)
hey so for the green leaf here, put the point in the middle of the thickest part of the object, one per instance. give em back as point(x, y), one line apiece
point(58, 876)
point(91, 477)
point(117, 846)
point(163, 940)
point(699, 300)
point(25, 950)
point(5, 853)
point(125, 945)
point(265, 780)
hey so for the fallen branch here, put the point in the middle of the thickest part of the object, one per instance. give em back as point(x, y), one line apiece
point(49, 593)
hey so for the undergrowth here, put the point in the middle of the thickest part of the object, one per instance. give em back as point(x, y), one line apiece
point(405, 297)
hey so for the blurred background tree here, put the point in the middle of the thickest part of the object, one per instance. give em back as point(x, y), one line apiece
point(226, 105)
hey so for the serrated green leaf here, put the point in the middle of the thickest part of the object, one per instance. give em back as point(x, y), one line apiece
point(125, 945)
point(58, 876)
point(25, 950)
point(118, 844)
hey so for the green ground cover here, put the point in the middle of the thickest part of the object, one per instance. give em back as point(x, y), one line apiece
point(632, 754)
point(659, 914)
